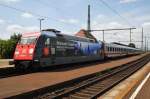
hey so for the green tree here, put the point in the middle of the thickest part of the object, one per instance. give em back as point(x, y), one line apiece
point(7, 47)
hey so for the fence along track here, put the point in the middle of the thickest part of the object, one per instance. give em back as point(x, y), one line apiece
point(96, 86)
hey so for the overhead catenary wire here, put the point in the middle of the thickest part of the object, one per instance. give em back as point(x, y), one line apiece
point(116, 12)
point(49, 6)
point(45, 4)
point(21, 10)
point(35, 14)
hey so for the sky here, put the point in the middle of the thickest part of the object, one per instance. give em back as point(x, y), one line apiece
point(69, 16)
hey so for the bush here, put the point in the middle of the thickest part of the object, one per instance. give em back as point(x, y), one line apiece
point(7, 47)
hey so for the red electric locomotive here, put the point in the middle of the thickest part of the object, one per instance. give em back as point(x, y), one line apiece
point(50, 47)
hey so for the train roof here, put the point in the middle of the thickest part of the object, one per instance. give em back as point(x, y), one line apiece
point(120, 46)
point(57, 34)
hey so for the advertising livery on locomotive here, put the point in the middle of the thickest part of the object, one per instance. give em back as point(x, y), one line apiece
point(50, 47)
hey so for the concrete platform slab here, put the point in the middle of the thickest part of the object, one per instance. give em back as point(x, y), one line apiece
point(125, 87)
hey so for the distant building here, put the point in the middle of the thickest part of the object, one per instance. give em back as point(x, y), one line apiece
point(85, 33)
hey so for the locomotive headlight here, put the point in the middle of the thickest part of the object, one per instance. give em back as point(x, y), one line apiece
point(16, 52)
point(31, 51)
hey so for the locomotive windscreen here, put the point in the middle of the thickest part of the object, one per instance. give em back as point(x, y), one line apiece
point(28, 40)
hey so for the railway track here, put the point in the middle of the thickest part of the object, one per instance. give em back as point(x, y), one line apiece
point(90, 86)
point(11, 71)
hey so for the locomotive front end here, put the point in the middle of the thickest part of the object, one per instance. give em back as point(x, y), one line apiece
point(24, 52)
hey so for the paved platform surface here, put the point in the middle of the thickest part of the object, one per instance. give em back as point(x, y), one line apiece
point(5, 66)
point(126, 89)
point(5, 63)
point(19, 84)
point(143, 92)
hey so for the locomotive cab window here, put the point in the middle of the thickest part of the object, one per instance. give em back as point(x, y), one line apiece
point(28, 40)
point(47, 42)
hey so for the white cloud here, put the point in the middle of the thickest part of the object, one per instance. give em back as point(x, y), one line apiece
point(70, 21)
point(10, 1)
point(146, 28)
point(100, 16)
point(27, 15)
point(127, 1)
point(2, 21)
point(137, 16)
point(146, 24)
point(115, 25)
point(21, 29)
point(116, 35)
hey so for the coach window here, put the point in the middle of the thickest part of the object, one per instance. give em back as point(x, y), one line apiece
point(110, 48)
point(106, 48)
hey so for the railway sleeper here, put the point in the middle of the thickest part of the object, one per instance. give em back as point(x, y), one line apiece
point(82, 94)
point(88, 92)
point(91, 89)
point(97, 86)
point(77, 97)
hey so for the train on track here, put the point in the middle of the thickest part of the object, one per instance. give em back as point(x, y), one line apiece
point(50, 47)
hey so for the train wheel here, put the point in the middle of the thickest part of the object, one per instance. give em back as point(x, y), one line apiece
point(35, 67)
point(18, 66)
point(21, 67)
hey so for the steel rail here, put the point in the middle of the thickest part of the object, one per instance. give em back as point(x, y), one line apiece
point(96, 86)
point(90, 86)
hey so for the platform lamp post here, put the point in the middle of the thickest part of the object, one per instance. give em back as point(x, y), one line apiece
point(41, 19)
